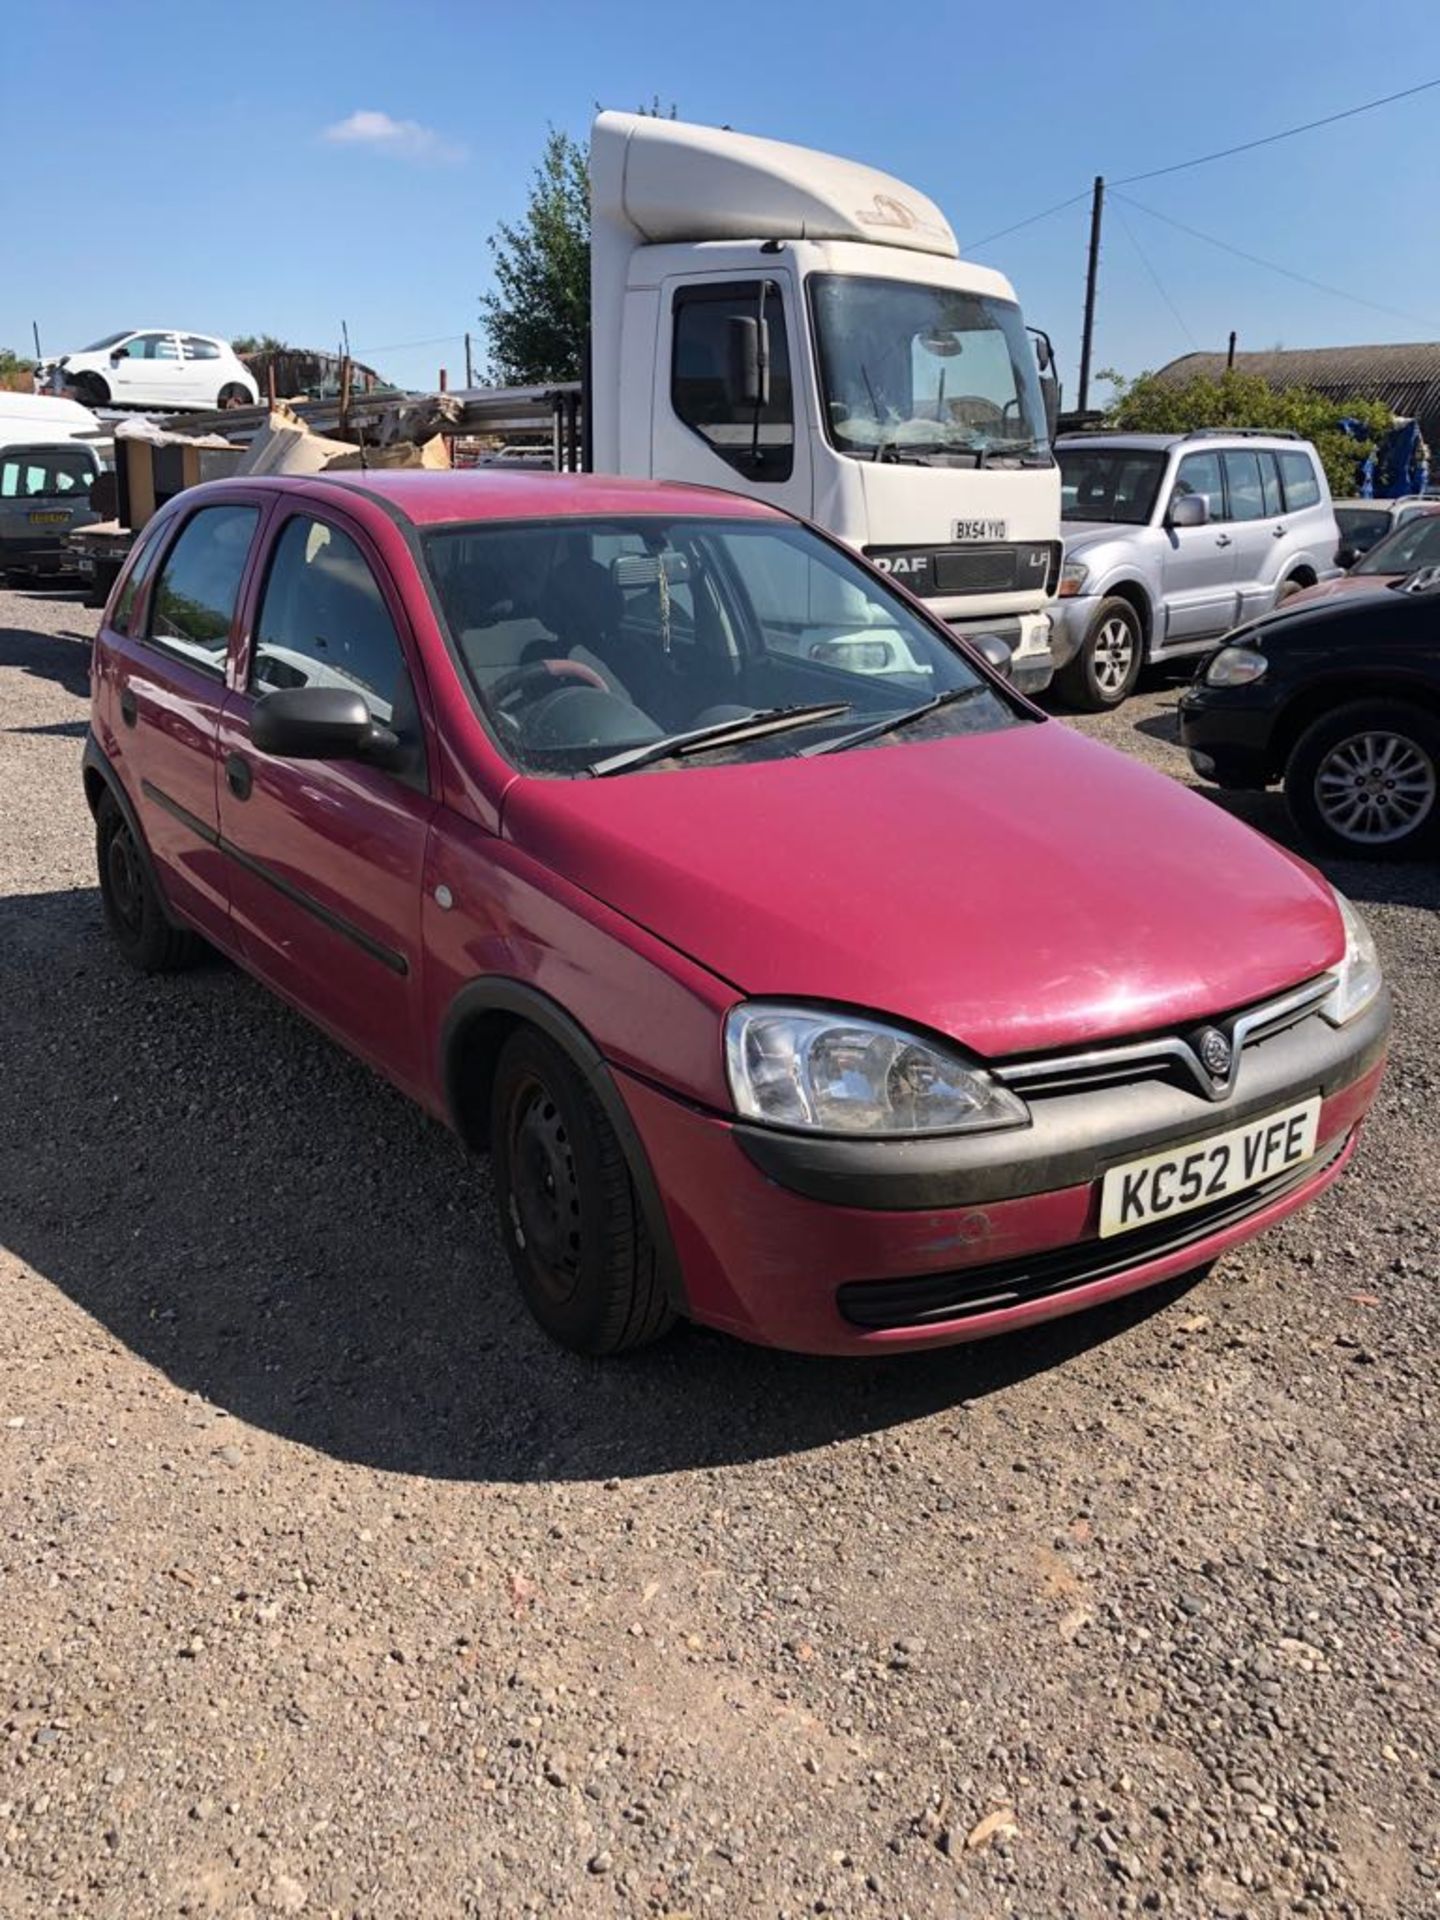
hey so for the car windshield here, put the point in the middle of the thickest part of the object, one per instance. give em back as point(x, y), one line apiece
point(1362, 526)
point(584, 639)
point(1117, 484)
point(110, 340)
point(926, 374)
point(1415, 544)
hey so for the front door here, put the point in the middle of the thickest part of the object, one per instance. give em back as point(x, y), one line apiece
point(1199, 564)
point(327, 857)
point(166, 701)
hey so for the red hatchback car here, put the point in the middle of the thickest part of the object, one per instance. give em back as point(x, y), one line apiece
point(800, 976)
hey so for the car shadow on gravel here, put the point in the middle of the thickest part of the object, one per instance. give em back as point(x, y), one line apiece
point(61, 657)
point(260, 1219)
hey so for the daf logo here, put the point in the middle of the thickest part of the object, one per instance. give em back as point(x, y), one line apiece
point(1215, 1051)
point(902, 562)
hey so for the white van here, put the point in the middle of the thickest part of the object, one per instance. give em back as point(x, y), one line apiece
point(45, 416)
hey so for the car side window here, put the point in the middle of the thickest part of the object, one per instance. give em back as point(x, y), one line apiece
point(1246, 490)
point(142, 565)
point(1200, 473)
point(193, 604)
point(199, 349)
point(1270, 485)
point(1302, 489)
point(323, 622)
point(712, 324)
point(152, 346)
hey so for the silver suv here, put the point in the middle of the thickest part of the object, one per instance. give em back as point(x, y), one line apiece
point(1171, 539)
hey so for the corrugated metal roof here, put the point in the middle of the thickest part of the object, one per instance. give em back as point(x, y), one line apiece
point(1405, 378)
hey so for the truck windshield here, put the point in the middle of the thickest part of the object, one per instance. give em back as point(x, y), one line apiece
point(606, 646)
point(1109, 483)
point(926, 374)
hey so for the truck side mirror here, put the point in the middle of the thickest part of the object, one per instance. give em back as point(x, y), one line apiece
point(749, 360)
point(1050, 395)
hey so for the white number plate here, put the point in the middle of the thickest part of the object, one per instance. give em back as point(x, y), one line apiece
point(979, 530)
point(1144, 1191)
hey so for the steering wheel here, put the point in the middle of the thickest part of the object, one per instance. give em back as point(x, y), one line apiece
point(522, 685)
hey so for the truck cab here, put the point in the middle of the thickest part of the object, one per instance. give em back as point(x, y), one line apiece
point(801, 328)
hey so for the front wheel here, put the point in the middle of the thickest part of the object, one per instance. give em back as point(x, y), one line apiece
point(91, 390)
point(1365, 780)
point(1105, 670)
point(569, 1214)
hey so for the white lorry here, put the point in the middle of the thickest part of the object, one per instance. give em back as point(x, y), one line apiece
point(794, 326)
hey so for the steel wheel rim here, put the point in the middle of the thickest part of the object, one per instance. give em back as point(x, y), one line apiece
point(1375, 787)
point(1113, 652)
point(545, 1190)
point(122, 870)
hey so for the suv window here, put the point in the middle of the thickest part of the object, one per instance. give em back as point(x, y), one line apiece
point(1243, 483)
point(705, 388)
point(1200, 473)
point(194, 599)
point(199, 349)
point(1270, 482)
point(324, 622)
point(1302, 489)
point(34, 475)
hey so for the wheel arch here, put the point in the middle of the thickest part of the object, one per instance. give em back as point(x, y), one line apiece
point(1343, 691)
point(480, 1019)
point(100, 779)
point(1137, 598)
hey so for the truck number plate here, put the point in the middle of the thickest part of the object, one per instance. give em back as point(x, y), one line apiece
point(979, 530)
point(1144, 1191)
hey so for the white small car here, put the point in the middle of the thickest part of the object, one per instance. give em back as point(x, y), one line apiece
point(167, 372)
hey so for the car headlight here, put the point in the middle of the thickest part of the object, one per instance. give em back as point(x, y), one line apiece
point(842, 1073)
point(1072, 579)
point(1236, 667)
point(1358, 978)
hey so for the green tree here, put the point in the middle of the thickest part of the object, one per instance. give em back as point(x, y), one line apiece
point(538, 315)
point(258, 343)
point(15, 371)
point(1149, 405)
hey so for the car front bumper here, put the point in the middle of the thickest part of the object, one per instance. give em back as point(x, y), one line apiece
point(1069, 623)
point(1227, 731)
point(866, 1246)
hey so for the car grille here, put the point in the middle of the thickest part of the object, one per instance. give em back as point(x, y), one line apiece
point(878, 1305)
point(997, 568)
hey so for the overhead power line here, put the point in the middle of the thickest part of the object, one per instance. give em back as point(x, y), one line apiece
point(1273, 266)
point(1145, 262)
point(1059, 207)
point(1269, 139)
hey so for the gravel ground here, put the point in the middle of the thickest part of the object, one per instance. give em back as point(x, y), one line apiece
point(329, 1587)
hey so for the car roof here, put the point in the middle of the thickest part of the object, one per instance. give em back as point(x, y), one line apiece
point(496, 493)
point(1207, 437)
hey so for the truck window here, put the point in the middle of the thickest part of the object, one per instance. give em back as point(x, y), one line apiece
point(706, 381)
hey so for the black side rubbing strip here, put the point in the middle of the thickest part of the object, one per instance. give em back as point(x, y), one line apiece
point(387, 956)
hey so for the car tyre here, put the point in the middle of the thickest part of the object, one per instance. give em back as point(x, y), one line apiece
point(1287, 590)
point(569, 1214)
point(234, 395)
point(91, 390)
point(1365, 781)
point(1104, 671)
point(134, 912)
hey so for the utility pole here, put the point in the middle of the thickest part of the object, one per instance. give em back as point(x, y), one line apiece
point(469, 365)
point(1087, 337)
point(1230, 356)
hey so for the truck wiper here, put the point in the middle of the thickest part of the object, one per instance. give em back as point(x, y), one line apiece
point(950, 697)
point(723, 733)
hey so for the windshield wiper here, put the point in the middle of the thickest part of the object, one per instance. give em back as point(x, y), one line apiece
point(950, 697)
point(722, 733)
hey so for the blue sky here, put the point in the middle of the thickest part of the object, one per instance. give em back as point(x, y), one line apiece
point(179, 173)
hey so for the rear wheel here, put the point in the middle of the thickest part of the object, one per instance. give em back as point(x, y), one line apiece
point(133, 910)
point(1105, 670)
point(1366, 780)
point(571, 1220)
point(1288, 589)
point(234, 395)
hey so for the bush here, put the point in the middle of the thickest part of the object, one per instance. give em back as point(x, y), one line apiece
point(1148, 405)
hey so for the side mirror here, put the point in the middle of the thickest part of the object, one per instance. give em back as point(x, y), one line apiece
point(318, 723)
point(996, 653)
point(1189, 510)
point(1346, 555)
point(749, 360)
point(120, 353)
point(1050, 395)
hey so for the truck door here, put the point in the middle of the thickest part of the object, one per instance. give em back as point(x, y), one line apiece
point(729, 412)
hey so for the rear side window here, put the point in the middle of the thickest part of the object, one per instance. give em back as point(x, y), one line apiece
point(194, 599)
point(1270, 482)
point(324, 622)
point(142, 566)
point(707, 375)
point(1242, 477)
point(199, 349)
point(1302, 489)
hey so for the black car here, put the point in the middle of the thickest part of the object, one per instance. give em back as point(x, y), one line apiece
point(1340, 699)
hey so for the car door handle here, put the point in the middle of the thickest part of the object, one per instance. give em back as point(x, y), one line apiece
point(237, 775)
point(129, 711)
point(1222, 540)
point(1279, 531)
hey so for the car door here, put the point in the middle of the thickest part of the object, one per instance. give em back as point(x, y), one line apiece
point(1198, 563)
point(129, 371)
point(327, 856)
point(1252, 526)
point(166, 655)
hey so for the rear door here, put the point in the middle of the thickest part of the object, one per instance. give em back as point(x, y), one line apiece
point(1198, 567)
point(169, 677)
point(200, 370)
point(44, 492)
point(327, 857)
point(1252, 492)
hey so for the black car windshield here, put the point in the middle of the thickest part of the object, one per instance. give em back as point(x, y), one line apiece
point(918, 372)
point(582, 639)
point(1415, 543)
point(1118, 484)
